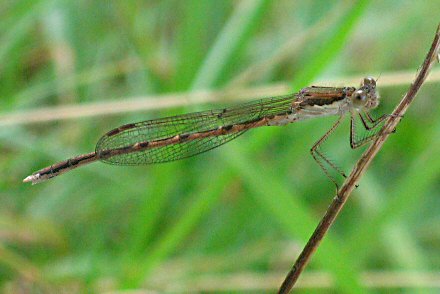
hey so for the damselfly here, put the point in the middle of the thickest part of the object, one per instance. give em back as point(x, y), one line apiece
point(182, 136)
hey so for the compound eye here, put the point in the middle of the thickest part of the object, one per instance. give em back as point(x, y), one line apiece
point(370, 81)
point(359, 97)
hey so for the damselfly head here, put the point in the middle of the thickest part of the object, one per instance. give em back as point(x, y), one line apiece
point(366, 96)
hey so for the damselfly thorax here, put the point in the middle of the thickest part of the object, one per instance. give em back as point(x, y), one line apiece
point(177, 137)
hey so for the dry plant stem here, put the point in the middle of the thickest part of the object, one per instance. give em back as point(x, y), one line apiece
point(361, 166)
point(166, 101)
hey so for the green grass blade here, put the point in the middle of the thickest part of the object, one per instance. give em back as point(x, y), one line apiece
point(330, 47)
point(236, 32)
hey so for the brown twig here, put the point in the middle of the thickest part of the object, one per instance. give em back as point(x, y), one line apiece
point(361, 166)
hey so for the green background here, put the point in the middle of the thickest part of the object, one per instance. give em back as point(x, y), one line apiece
point(235, 218)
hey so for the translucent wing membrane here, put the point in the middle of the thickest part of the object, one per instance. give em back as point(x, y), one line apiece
point(172, 151)
point(197, 128)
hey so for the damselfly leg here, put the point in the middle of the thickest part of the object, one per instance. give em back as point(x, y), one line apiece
point(320, 158)
point(372, 128)
point(369, 122)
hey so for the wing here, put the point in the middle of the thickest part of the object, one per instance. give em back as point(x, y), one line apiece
point(183, 125)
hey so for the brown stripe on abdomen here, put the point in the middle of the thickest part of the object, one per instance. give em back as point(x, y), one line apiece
point(222, 130)
point(69, 164)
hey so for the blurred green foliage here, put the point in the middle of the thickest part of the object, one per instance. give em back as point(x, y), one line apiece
point(245, 208)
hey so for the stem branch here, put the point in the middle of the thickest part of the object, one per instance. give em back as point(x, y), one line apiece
point(361, 166)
